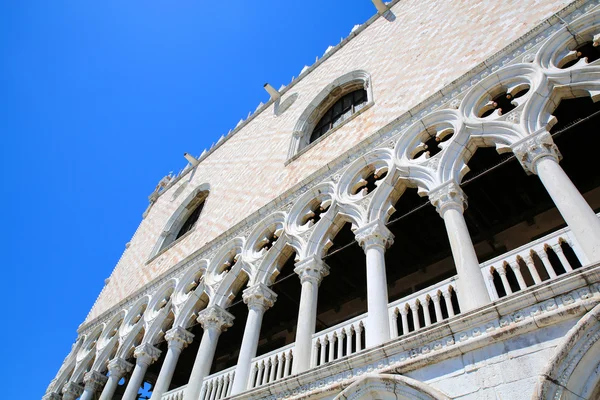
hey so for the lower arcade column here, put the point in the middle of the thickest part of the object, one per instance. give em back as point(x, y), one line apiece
point(71, 391)
point(214, 320)
point(145, 355)
point(117, 369)
point(94, 382)
point(178, 339)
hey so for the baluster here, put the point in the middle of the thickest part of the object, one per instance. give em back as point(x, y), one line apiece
point(204, 391)
point(213, 391)
point(265, 376)
point(426, 314)
point(253, 377)
point(331, 346)
point(230, 383)
point(394, 323)
point(516, 267)
point(283, 368)
point(349, 336)
point(404, 319)
point(561, 256)
point(261, 369)
point(340, 344)
point(359, 334)
point(448, 299)
point(544, 257)
point(290, 361)
point(490, 277)
point(415, 315)
point(437, 306)
point(504, 279)
point(323, 350)
point(531, 267)
point(315, 354)
point(220, 384)
point(273, 375)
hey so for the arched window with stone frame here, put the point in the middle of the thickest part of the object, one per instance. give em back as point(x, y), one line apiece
point(339, 102)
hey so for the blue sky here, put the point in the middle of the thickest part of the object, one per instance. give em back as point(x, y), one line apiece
point(98, 101)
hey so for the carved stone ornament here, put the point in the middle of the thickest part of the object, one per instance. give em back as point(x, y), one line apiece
point(448, 196)
point(532, 149)
point(215, 317)
point(72, 390)
point(374, 234)
point(119, 367)
point(94, 381)
point(312, 270)
point(52, 396)
point(146, 354)
point(260, 297)
point(179, 337)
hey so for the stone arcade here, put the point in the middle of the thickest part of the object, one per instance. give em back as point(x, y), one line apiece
point(324, 248)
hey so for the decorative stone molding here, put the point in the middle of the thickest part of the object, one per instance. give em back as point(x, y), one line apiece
point(179, 337)
point(312, 270)
point(72, 391)
point(146, 354)
point(259, 297)
point(374, 386)
point(374, 234)
point(532, 149)
point(215, 317)
point(119, 367)
point(52, 396)
point(448, 196)
point(94, 381)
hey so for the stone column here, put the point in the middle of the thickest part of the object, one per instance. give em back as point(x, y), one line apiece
point(94, 382)
point(178, 339)
point(214, 320)
point(375, 238)
point(145, 355)
point(311, 271)
point(539, 155)
point(450, 202)
point(71, 391)
point(259, 298)
point(117, 368)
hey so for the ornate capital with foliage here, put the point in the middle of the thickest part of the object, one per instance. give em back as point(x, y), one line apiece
point(312, 269)
point(179, 337)
point(259, 297)
point(532, 149)
point(374, 234)
point(146, 354)
point(52, 396)
point(215, 317)
point(94, 381)
point(448, 196)
point(119, 367)
point(72, 390)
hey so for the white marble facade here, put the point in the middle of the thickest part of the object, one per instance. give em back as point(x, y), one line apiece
point(538, 343)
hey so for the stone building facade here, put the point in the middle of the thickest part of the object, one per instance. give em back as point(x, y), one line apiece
point(324, 248)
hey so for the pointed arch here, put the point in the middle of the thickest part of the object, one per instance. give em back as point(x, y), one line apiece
point(389, 387)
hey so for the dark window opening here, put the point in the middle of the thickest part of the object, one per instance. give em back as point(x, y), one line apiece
point(370, 183)
point(190, 222)
point(432, 145)
point(341, 110)
point(587, 51)
point(503, 103)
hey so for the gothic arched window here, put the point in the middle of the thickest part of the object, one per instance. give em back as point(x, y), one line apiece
point(191, 220)
point(341, 110)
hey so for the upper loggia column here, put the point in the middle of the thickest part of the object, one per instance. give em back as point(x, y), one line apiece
point(178, 339)
point(71, 391)
point(311, 271)
point(145, 354)
point(94, 382)
point(259, 298)
point(214, 320)
point(375, 238)
point(539, 155)
point(450, 202)
point(117, 369)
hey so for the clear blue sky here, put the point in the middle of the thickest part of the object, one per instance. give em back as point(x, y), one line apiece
point(98, 101)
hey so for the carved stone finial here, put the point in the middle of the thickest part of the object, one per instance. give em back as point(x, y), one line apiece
point(312, 269)
point(215, 317)
point(146, 354)
point(259, 296)
point(72, 391)
point(448, 196)
point(374, 234)
point(179, 337)
point(94, 381)
point(534, 148)
point(119, 367)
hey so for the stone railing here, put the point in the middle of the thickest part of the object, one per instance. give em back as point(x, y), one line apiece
point(218, 386)
point(175, 394)
point(272, 366)
point(338, 341)
point(423, 308)
point(538, 261)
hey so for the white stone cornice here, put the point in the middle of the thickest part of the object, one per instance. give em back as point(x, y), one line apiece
point(215, 317)
point(312, 269)
point(533, 148)
point(94, 381)
point(146, 354)
point(448, 196)
point(179, 337)
point(374, 234)
point(259, 296)
point(119, 367)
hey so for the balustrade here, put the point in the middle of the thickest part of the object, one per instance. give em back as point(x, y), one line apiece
point(339, 341)
point(271, 366)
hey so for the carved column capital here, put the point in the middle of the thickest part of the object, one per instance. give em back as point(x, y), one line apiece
point(374, 234)
point(72, 390)
point(94, 381)
point(259, 296)
point(215, 317)
point(52, 396)
point(533, 148)
point(448, 196)
point(118, 367)
point(179, 338)
point(312, 270)
point(146, 354)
